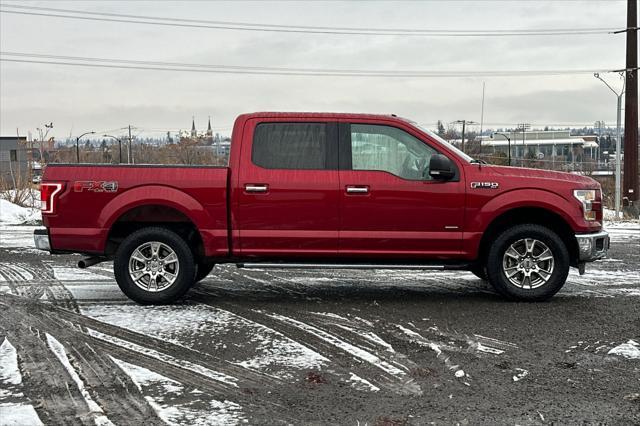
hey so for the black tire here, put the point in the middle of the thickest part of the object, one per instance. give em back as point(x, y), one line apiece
point(479, 271)
point(186, 267)
point(204, 269)
point(498, 260)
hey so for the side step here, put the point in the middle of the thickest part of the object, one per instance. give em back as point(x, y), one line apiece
point(261, 265)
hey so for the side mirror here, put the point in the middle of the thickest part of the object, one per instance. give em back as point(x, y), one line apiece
point(441, 167)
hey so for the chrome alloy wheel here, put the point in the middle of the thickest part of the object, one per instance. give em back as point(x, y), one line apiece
point(528, 263)
point(154, 266)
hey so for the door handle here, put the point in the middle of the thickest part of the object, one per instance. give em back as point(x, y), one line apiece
point(256, 188)
point(357, 189)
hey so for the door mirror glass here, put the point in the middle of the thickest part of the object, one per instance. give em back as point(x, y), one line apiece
point(441, 167)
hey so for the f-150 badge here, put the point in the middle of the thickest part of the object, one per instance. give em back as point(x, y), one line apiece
point(484, 185)
point(95, 186)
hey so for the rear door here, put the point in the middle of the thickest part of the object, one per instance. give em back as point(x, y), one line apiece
point(288, 189)
point(390, 206)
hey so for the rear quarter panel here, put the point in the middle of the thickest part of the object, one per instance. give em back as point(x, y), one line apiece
point(82, 219)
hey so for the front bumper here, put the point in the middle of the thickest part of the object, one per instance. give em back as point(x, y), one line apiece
point(592, 246)
point(41, 239)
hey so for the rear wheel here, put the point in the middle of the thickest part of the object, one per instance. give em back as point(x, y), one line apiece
point(528, 263)
point(154, 266)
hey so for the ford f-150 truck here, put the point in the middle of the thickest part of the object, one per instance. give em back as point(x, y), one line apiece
point(325, 190)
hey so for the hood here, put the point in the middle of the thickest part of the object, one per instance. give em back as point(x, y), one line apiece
point(543, 174)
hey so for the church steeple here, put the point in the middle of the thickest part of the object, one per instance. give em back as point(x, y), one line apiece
point(209, 131)
point(193, 127)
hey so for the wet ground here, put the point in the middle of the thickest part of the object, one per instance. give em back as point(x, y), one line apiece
point(316, 347)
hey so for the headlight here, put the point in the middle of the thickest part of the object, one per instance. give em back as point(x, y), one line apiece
point(587, 198)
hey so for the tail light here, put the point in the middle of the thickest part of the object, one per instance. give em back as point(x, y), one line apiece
point(48, 195)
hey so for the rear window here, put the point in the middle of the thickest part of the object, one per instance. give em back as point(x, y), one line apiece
point(290, 146)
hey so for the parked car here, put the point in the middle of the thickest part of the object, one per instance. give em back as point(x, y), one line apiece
point(36, 179)
point(295, 195)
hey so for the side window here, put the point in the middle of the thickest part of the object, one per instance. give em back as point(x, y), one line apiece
point(389, 149)
point(290, 146)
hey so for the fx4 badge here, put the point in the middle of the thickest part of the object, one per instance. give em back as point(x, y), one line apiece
point(95, 186)
point(485, 185)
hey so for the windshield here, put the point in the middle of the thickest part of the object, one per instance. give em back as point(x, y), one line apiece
point(449, 145)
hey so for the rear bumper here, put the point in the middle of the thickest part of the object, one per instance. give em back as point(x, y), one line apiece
point(41, 239)
point(592, 246)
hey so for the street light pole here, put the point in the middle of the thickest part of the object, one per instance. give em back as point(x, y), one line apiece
point(508, 143)
point(119, 146)
point(618, 142)
point(78, 145)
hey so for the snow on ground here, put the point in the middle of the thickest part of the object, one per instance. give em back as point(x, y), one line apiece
point(186, 326)
point(12, 214)
point(17, 236)
point(56, 347)
point(174, 406)
point(14, 408)
point(630, 350)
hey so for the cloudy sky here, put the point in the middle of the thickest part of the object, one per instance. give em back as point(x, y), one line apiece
point(78, 99)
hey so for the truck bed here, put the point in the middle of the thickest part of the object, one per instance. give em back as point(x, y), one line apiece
point(96, 196)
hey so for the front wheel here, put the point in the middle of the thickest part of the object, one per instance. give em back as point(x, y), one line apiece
point(154, 266)
point(528, 263)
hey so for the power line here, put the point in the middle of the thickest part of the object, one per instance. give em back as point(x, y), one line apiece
point(249, 26)
point(34, 58)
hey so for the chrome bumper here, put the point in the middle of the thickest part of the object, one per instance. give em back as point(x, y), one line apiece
point(41, 239)
point(592, 246)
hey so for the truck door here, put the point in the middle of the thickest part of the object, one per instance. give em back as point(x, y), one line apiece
point(390, 206)
point(287, 193)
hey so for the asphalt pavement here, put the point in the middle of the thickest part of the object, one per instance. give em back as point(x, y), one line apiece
point(316, 347)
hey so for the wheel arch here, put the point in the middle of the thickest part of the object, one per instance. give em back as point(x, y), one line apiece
point(154, 206)
point(529, 215)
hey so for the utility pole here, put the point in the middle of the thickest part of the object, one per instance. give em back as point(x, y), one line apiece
point(524, 127)
point(464, 125)
point(618, 147)
point(631, 106)
point(129, 153)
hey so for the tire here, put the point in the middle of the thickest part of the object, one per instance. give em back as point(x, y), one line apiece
point(204, 269)
point(479, 271)
point(161, 262)
point(528, 250)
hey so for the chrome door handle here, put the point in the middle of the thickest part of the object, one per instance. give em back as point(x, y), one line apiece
point(256, 188)
point(357, 189)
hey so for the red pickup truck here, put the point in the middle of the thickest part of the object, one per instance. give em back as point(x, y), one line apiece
point(325, 190)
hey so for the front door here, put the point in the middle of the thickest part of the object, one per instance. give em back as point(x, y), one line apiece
point(390, 206)
point(288, 189)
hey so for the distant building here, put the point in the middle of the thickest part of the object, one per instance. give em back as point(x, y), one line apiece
point(13, 158)
point(544, 144)
point(197, 138)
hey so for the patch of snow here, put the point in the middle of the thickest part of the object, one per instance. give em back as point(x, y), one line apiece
point(63, 273)
point(362, 384)
point(12, 214)
point(9, 371)
point(630, 350)
point(521, 374)
point(217, 376)
point(18, 415)
point(13, 236)
point(56, 347)
point(166, 397)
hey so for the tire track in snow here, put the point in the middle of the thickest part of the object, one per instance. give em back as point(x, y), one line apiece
point(331, 346)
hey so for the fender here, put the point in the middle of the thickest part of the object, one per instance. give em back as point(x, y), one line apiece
point(479, 220)
point(526, 197)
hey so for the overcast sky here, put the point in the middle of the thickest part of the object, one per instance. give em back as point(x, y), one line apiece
point(79, 99)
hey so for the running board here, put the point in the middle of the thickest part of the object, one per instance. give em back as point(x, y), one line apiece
point(260, 265)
